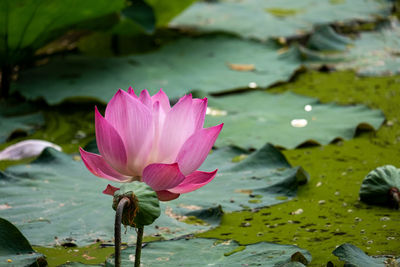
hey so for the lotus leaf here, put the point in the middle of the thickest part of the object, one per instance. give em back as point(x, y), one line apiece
point(179, 67)
point(212, 252)
point(355, 257)
point(26, 25)
point(287, 120)
point(377, 186)
point(371, 54)
point(262, 20)
point(15, 250)
point(56, 195)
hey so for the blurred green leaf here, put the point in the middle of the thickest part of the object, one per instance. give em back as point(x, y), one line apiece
point(26, 25)
point(373, 53)
point(262, 20)
point(144, 16)
point(209, 64)
point(18, 117)
point(167, 10)
point(286, 120)
point(141, 13)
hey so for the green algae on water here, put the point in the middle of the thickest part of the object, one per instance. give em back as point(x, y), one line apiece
point(327, 212)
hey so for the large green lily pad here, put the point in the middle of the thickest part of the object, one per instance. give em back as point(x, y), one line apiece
point(210, 64)
point(15, 250)
point(287, 120)
point(56, 195)
point(355, 257)
point(211, 252)
point(26, 25)
point(371, 54)
point(261, 20)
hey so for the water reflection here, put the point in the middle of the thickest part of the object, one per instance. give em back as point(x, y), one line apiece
point(299, 123)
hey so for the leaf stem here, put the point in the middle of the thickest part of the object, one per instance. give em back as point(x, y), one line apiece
point(117, 229)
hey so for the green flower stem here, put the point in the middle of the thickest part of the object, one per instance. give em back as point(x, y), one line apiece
point(139, 245)
point(117, 229)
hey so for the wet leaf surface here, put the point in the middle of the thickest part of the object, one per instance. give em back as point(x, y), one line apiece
point(355, 257)
point(179, 67)
point(291, 17)
point(211, 252)
point(286, 120)
point(372, 53)
point(21, 118)
point(48, 195)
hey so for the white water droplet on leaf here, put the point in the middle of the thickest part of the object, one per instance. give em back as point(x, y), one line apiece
point(299, 123)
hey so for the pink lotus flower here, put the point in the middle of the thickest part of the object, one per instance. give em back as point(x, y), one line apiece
point(144, 139)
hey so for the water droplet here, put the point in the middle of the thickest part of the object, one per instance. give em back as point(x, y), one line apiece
point(307, 108)
point(299, 123)
point(253, 85)
point(216, 112)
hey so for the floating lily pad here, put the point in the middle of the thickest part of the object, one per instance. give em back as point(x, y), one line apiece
point(22, 118)
point(209, 64)
point(15, 250)
point(355, 257)
point(381, 186)
point(56, 195)
point(371, 54)
point(54, 200)
point(287, 120)
point(211, 252)
point(262, 20)
point(26, 25)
